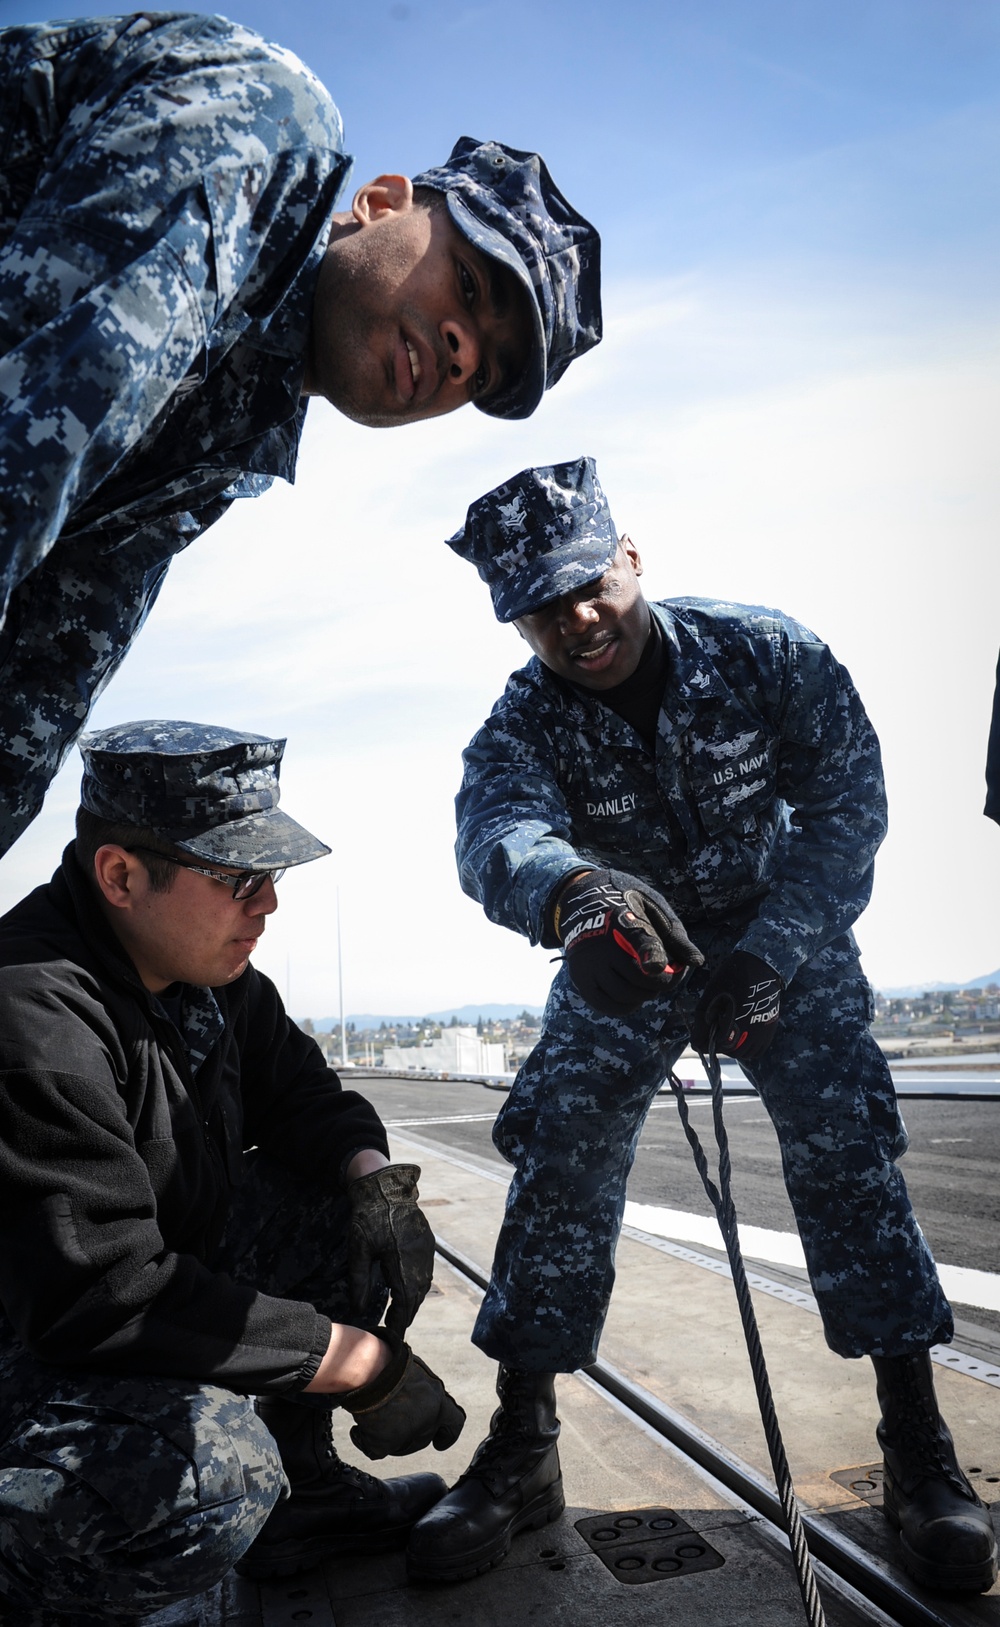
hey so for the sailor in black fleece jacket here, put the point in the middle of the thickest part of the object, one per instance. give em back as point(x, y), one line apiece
point(193, 1212)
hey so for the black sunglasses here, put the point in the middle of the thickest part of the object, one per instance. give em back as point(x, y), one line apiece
point(243, 886)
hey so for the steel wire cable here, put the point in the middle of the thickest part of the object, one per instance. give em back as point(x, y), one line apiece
point(721, 1198)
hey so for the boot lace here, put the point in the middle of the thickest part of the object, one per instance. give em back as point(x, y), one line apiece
point(505, 1453)
point(925, 1451)
point(335, 1469)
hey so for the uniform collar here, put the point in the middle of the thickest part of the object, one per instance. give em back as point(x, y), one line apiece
point(692, 678)
point(692, 674)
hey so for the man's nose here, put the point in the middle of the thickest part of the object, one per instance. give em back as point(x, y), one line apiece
point(264, 901)
point(464, 349)
point(576, 614)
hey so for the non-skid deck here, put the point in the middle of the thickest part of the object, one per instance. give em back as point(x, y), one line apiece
point(667, 1543)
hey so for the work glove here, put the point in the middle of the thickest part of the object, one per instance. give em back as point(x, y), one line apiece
point(741, 1002)
point(623, 943)
point(404, 1409)
point(390, 1246)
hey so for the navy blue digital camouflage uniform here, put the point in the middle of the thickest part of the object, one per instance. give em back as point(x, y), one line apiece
point(758, 818)
point(166, 186)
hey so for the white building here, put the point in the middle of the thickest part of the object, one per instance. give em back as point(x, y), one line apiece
point(459, 1050)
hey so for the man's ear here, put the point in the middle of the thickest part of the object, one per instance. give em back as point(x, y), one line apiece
point(115, 871)
point(631, 552)
point(386, 195)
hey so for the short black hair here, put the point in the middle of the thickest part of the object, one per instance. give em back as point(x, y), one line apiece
point(93, 832)
point(429, 197)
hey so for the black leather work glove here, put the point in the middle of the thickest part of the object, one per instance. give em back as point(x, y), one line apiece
point(390, 1246)
point(404, 1409)
point(741, 1002)
point(623, 943)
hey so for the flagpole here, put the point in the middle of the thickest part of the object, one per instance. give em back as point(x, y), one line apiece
point(340, 979)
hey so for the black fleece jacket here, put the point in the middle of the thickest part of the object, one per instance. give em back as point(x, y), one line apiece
point(117, 1166)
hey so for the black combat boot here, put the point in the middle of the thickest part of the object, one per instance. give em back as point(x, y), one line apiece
point(333, 1508)
point(512, 1484)
point(946, 1532)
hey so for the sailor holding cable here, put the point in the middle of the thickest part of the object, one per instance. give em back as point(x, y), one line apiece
point(687, 797)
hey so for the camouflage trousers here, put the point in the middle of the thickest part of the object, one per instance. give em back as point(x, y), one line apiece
point(123, 1493)
point(570, 1128)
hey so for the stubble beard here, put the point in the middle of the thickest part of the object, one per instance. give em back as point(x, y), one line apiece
point(349, 328)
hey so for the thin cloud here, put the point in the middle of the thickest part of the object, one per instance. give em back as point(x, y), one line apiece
point(858, 493)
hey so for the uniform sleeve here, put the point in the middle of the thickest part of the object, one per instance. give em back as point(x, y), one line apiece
point(96, 334)
point(295, 1106)
point(514, 837)
point(169, 206)
point(68, 629)
point(85, 1275)
point(830, 775)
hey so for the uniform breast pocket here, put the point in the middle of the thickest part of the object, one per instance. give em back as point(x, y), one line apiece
point(735, 809)
point(734, 783)
point(740, 820)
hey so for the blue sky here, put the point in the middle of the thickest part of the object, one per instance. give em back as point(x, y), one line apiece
point(796, 403)
point(691, 130)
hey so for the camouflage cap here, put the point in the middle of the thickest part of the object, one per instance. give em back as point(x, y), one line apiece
point(212, 792)
point(506, 204)
point(539, 535)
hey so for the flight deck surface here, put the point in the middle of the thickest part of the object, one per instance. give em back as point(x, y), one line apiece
point(669, 1542)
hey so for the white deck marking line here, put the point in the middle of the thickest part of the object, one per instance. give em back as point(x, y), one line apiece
point(968, 1286)
point(645, 1222)
point(455, 1118)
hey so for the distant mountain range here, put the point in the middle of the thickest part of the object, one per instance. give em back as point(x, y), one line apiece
point(488, 1011)
point(911, 990)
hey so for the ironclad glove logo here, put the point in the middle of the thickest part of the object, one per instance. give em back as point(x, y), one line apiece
point(763, 1002)
point(623, 942)
point(739, 1009)
point(590, 926)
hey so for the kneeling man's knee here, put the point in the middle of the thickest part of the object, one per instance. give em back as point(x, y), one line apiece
point(131, 1495)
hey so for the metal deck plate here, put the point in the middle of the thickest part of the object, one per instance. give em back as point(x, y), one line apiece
point(647, 1545)
point(298, 1601)
point(864, 1482)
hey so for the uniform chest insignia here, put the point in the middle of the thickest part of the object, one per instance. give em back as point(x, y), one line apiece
point(612, 807)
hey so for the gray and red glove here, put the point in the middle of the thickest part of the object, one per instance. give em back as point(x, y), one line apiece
point(623, 943)
point(741, 1004)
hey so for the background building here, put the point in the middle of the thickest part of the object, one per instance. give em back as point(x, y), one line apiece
point(456, 1050)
